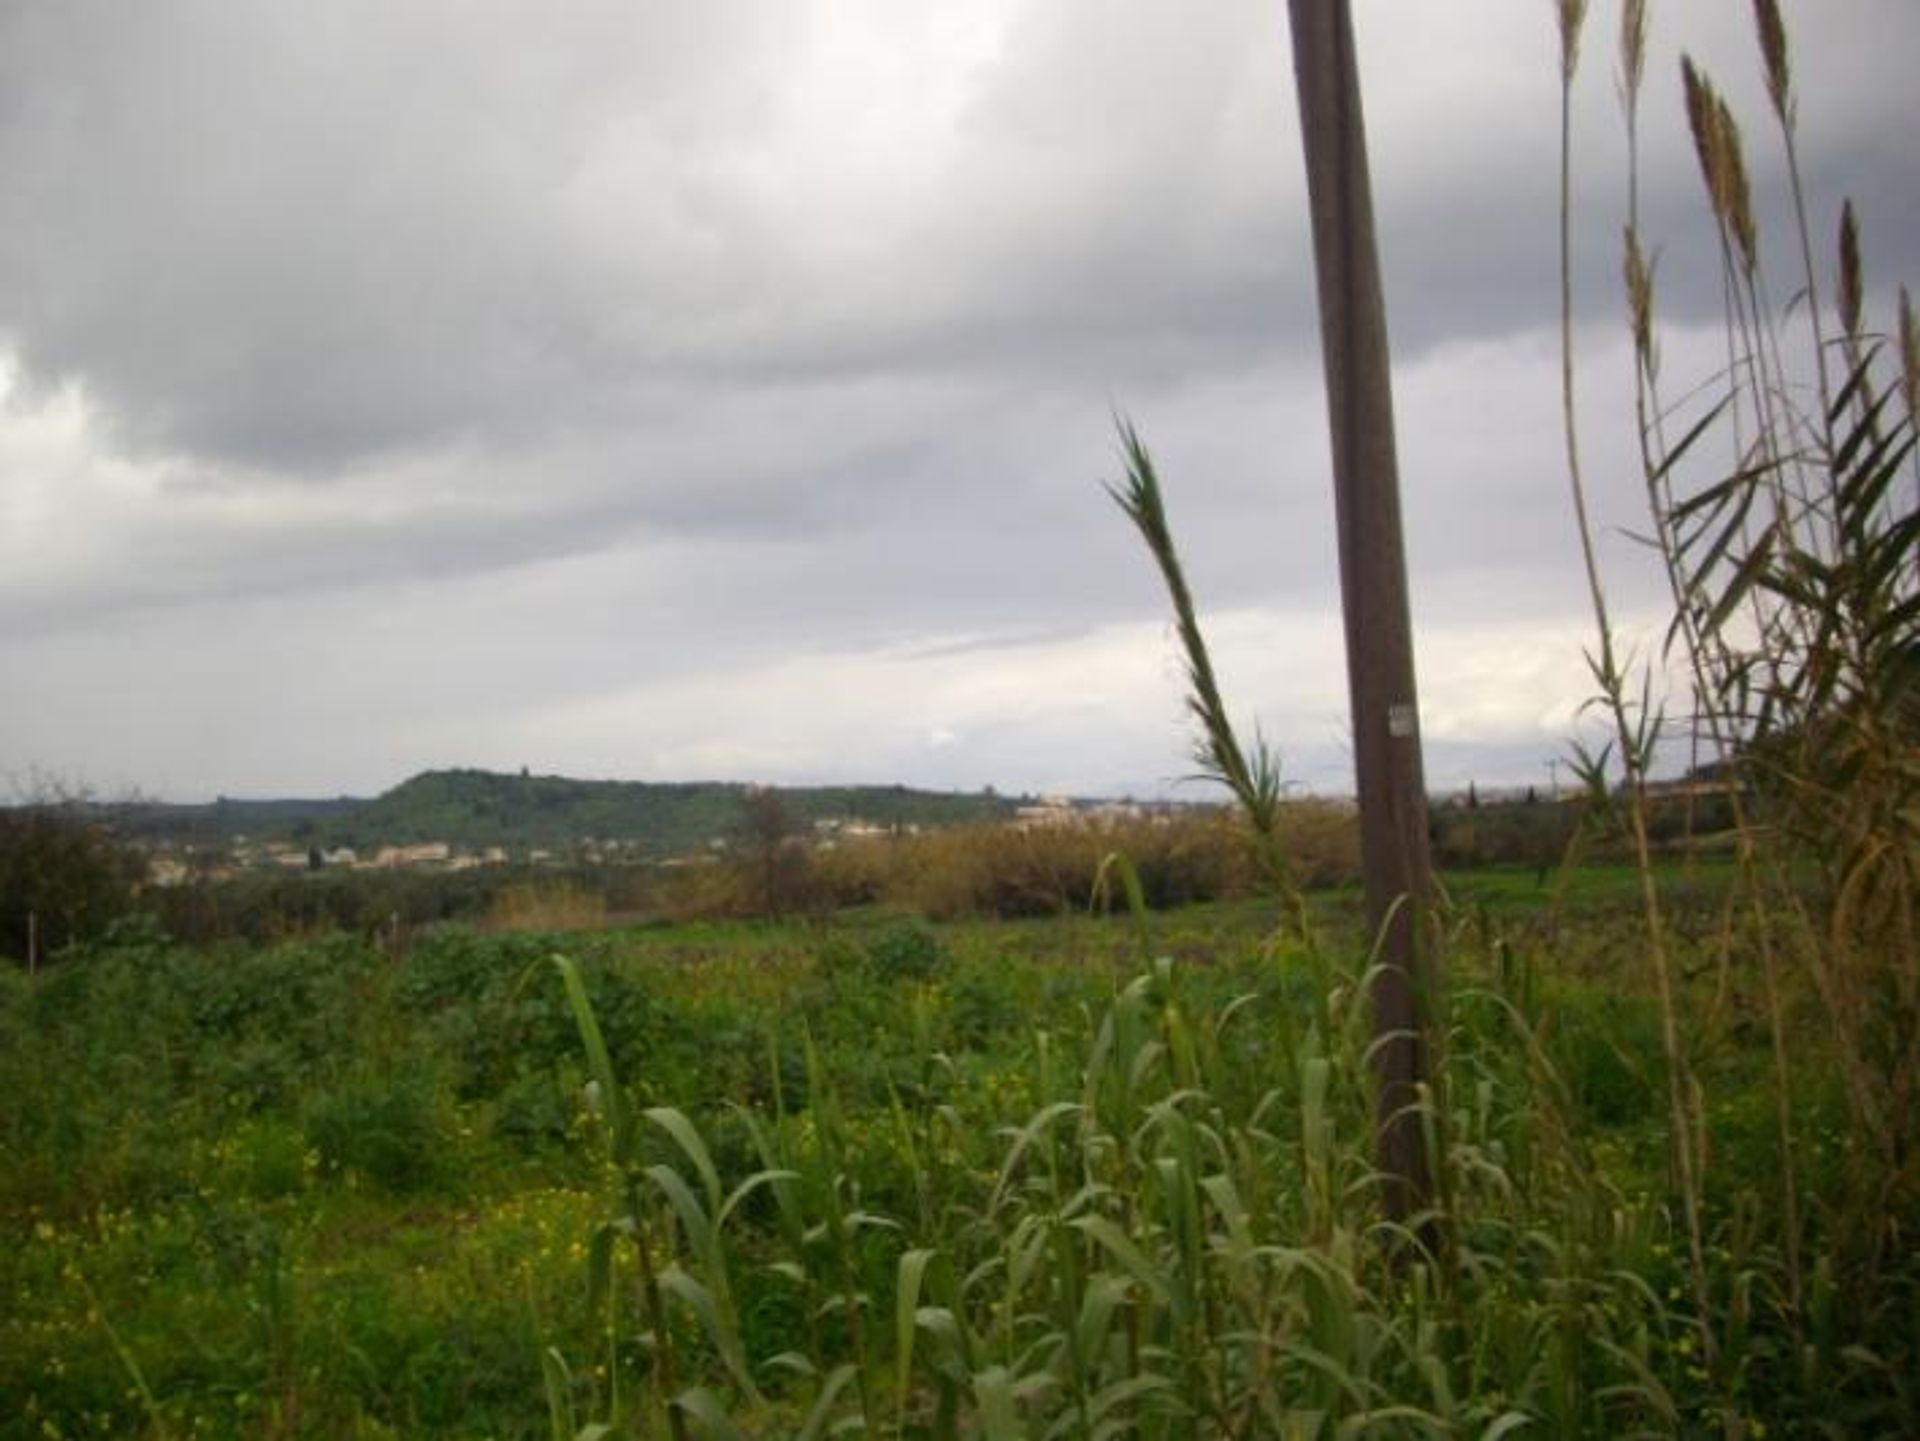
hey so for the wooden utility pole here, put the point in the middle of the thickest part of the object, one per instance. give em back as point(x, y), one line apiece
point(1373, 585)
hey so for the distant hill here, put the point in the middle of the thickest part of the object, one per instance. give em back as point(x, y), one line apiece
point(482, 808)
point(475, 809)
point(220, 821)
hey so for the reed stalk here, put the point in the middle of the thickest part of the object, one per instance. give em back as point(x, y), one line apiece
point(1633, 740)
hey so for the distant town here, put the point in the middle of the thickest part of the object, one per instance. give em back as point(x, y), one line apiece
point(176, 860)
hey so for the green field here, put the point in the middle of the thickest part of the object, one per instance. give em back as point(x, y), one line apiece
point(1080, 1176)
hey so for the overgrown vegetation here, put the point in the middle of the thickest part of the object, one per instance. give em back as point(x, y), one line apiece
point(1013, 1175)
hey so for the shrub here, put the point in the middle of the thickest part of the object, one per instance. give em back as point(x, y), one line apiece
point(551, 906)
point(63, 880)
point(998, 870)
point(906, 950)
point(386, 1127)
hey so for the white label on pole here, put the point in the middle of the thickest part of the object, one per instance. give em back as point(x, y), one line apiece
point(1401, 721)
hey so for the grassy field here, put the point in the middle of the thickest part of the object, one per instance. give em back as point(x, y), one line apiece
point(1082, 1176)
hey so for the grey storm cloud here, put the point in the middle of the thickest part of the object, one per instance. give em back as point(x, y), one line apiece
point(293, 239)
point(801, 326)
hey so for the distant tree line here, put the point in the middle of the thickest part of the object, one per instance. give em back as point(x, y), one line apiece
point(66, 875)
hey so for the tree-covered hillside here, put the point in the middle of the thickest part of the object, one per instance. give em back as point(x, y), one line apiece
point(481, 808)
point(475, 809)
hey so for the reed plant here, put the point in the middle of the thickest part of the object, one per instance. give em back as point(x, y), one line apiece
point(1781, 500)
point(1250, 773)
point(1633, 717)
point(1793, 561)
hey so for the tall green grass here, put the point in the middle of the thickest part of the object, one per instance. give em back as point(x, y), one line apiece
point(1176, 1235)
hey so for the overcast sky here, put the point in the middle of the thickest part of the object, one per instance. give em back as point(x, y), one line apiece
point(667, 391)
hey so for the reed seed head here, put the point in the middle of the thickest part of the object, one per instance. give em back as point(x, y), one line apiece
point(1737, 196)
point(1723, 166)
point(1850, 284)
point(1639, 280)
point(1702, 123)
point(1572, 15)
point(1773, 49)
point(1633, 50)
point(1909, 355)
